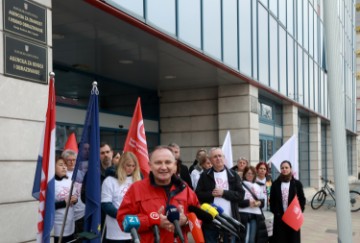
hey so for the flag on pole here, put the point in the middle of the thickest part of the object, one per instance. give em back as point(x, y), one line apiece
point(44, 182)
point(71, 143)
point(136, 140)
point(289, 151)
point(88, 161)
point(227, 150)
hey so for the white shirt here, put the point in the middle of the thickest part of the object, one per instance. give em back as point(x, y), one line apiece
point(255, 188)
point(79, 207)
point(264, 192)
point(221, 181)
point(62, 189)
point(113, 192)
point(285, 194)
point(195, 176)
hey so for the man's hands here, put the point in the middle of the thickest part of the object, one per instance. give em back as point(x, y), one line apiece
point(166, 224)
point(217, 192)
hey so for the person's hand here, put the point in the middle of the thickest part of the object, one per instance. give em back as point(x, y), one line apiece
point(73, 200)
point(217, 192)
point(183, 219)
point(164, 222)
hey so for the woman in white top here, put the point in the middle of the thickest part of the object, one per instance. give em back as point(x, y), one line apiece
point(204, 164)
point(250, 209)
point(264, 181)
point(112, 194)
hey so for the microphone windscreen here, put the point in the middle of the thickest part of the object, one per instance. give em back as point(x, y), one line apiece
point(154, 218)
point(201, 214)
point(130, 221)
point(219, 209)
point(211, 210)
point(172, 213)
point(195, 228)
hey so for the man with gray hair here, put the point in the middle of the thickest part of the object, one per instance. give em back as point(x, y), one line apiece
point(221, 186)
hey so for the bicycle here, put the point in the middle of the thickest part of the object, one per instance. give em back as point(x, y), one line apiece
point(320, 197)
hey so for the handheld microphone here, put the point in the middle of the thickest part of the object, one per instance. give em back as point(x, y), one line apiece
point(215, 214)
point(154, 221)
point(195, 228)
point(173, 216)
point(207, 218)
point(130, 224)
point(233, 221)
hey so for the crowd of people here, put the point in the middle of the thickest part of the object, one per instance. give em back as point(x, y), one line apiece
point(171, 191)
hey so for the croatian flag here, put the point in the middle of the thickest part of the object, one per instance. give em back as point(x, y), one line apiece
point(44, 182)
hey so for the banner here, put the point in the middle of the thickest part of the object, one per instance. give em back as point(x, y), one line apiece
point(227, 150)
point(44, 182)
point(136, 140)
point(289, 151)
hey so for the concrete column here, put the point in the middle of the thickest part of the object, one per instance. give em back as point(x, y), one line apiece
point(315, 151)
point(330, 164)
point(238, 114)
point(190, 119)
point(290, 120)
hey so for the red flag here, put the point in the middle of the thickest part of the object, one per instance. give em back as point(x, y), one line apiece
point(293, 215)
point(71, 143)
point(136, 140)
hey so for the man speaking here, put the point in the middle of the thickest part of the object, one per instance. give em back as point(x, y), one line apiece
point(162, 192)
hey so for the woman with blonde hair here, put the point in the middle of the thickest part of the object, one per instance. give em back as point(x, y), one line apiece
point(113, 192)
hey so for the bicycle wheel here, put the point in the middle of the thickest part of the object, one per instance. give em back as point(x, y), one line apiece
point(354, 201)
point(318, 199)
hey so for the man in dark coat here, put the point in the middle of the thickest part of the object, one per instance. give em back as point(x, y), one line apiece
point(221, 186)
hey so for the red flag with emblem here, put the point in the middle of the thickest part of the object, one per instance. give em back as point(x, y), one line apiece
point(293, 215)
point(136, 140)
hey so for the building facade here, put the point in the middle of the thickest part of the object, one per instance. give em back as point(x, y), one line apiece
point(202, 68)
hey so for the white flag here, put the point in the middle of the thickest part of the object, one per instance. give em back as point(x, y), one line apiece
point(289, 151)
point(227, 150)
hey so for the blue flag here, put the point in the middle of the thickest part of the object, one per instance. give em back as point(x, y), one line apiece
point(88, 162)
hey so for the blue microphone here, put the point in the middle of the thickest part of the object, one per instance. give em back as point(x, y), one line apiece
point(233, 221)
point(131, 223)
point(173, 216)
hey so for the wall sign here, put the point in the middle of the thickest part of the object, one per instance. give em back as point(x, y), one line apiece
point(25, 60)
point(25, 18)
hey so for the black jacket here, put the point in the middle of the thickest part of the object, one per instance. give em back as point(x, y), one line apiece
point(235, 193)
point(282, 232)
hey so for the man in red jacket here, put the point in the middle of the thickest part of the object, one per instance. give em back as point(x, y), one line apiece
point(154, 194)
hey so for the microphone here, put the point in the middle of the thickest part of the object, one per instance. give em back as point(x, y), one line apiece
point(207, 218)
point(233, 221)
point(130, 224)
point(195, 228)
point(215, 214)
point(173, 216)
point(154, 221)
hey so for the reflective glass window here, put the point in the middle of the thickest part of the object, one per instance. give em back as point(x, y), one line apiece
point(212, 28)
point(245, 36)
point(290, 16)
point(254, 40)
point(230, 33)
point(311, 31)
point(273, 32)
point(306, 79)
point(263, 46)
point(300, 21)
point(273, 4)
point(316, 87)
point(290, 68)
point(282, 11)
point(300, 72)
point(264, 2)
point(311, 84)
point(316, 34)
point(282, 60)
point(161, 13)
point(134, 7)
point(306, 25)
point(189, 22)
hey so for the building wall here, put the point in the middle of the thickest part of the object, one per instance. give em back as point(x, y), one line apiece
point(22, 113)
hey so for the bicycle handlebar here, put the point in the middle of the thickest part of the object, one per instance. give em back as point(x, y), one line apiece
point(329, 181)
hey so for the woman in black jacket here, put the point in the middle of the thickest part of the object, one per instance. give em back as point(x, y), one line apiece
point(283, 191)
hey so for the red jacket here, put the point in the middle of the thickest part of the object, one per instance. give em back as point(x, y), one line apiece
point(144, 197)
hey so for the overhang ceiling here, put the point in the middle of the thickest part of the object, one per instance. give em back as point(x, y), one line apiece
point(89, 43)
